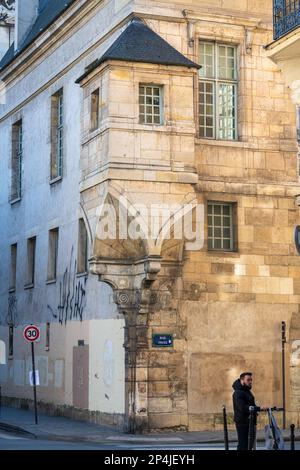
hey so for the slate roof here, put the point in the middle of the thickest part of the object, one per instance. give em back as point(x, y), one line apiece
point(49, 11)
point(139, 43)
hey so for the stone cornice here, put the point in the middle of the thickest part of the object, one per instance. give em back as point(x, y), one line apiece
point(228, 18)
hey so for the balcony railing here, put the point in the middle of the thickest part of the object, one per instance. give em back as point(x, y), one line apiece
point(286, 16)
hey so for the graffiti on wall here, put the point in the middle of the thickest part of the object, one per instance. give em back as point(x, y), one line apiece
point(72, 295)
point(12, 311)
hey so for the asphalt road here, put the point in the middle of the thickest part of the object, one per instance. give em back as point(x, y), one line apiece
point(9, 441)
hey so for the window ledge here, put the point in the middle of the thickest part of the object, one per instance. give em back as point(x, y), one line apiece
point(15, 201)
point(220, 142)
point(84, 274)
point(10, 358)
point(223, 253)
point(28, 286)
point(50, 281)
point(12, 290)
point(55, 180)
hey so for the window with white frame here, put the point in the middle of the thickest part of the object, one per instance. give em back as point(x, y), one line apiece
point(220, 226)
point(57, 134)
point(150, 104)
point(217, 91)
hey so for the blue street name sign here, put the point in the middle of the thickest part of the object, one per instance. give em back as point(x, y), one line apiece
point(297, 238)
point(162, 341)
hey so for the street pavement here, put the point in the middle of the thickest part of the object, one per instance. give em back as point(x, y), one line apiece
point(18, 431)
point(8, 441)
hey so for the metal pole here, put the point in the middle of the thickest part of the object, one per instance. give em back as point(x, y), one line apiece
point(34, 383)
point(0, 400)
point(226, 440)
point(283, 341)
point(292, 437)
point(251, 429)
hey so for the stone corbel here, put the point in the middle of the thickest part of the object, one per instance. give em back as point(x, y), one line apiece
point(190, 28)
point(249, 33)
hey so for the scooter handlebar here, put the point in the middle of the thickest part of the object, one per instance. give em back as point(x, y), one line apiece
point(258, 408)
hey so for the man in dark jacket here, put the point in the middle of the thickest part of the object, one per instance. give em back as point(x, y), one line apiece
point(242, 399)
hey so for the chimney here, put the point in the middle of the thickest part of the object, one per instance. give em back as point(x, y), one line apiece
point(26, 14)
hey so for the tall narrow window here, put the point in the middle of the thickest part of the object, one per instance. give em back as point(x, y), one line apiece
point(10, 340)
point(17, 161)
point(57, 134)
point(218, 91)
point(47, 345)
point(82, 257)
point(95, 110)
point(150, 104)
point(220, 226)
point(13, 267)
point(52, 254)
point(31, 248)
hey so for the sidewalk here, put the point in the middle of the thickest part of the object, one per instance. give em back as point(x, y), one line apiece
point(64, 429)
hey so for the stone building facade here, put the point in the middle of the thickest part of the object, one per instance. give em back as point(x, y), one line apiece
point(202, 120)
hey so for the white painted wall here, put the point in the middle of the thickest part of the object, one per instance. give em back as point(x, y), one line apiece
point(107, 371)
point(105, 339)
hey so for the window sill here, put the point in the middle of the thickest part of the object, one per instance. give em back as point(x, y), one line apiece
point(50, 281)
point(28, 286)
point(84, 274)
point(220, 142)
point(10, 358)
point(233, 253)
point(12, 290)
point(55, 180)
point(15, 201)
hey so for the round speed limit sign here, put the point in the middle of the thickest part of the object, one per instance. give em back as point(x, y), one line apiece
point(31, 333)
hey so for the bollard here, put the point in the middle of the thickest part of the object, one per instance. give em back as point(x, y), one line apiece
point(226, 440)
point(292, 436)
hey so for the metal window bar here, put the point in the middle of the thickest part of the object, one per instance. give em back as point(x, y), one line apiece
point(20, 160)
point(60, 134)
point(286, 16)
point(218, 77)
point(17, 161)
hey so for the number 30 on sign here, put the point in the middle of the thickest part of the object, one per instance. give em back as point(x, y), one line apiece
point(31, 333)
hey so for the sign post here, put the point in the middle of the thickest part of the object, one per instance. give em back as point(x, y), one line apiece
point(32, 334)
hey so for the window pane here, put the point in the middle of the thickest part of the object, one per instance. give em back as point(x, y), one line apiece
point(206, 110)
point(226, 62)
point(217, 244)
point(226, 111)
point(206, 59)
point(226, 245)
